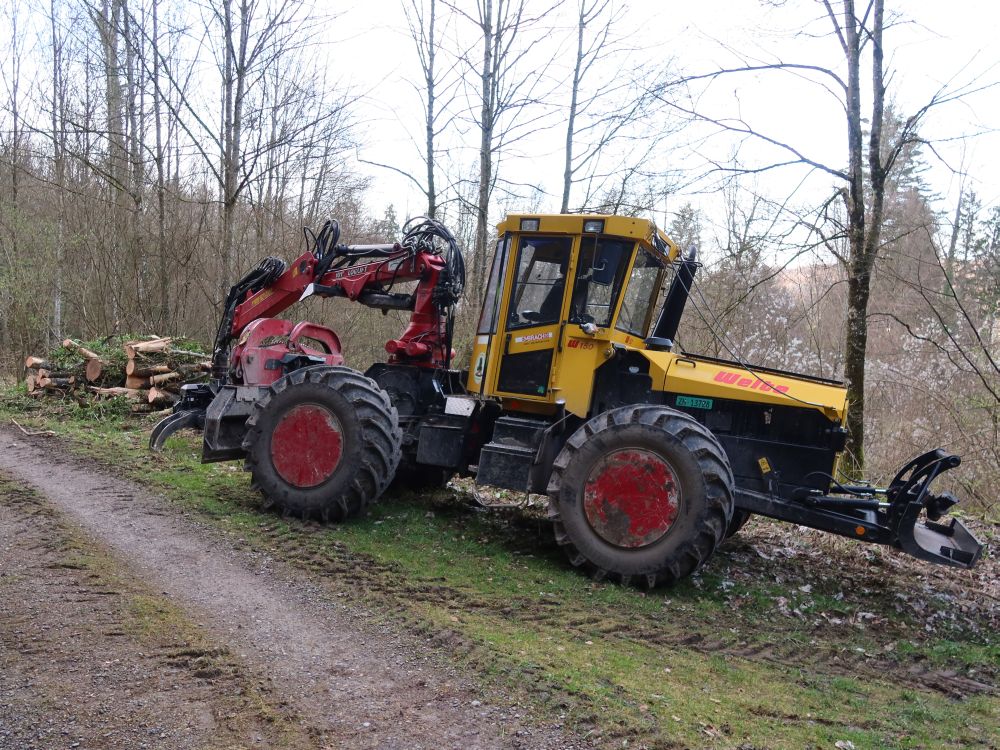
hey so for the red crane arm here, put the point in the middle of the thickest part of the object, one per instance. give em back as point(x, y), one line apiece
point(424, 342)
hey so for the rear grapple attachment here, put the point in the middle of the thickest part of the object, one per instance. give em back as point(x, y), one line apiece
point(909, 496)
point(905, 515)
point(188, 412)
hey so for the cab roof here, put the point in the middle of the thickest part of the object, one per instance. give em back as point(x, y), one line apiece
point(654, 239)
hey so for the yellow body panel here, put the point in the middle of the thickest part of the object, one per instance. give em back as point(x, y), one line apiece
point(576, 354)
point(691, 375)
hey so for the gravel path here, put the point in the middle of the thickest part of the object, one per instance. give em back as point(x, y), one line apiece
point(360, 685)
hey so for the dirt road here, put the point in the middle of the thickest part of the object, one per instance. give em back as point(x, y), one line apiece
point(330, 675)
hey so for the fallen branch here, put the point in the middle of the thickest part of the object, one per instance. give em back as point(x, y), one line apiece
point(79, 349)
point(33, 433)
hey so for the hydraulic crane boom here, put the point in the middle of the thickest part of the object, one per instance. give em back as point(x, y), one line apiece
point(425, 338)
point(362, 273)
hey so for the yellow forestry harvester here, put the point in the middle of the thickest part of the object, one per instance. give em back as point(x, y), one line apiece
point(650, 456)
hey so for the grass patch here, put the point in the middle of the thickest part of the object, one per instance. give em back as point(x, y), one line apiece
point(774, 644)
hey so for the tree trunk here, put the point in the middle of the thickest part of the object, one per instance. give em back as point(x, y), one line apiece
point(864, 227)
point(228, 82)
point(858, 293)
point(58, 150)
point(485, 148)
point(571, 123)
point(431, 192)
point(163, 278)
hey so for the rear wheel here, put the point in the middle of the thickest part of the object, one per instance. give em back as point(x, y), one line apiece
point(642, 494)
point(323, 443)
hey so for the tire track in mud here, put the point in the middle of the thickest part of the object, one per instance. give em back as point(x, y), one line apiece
point(81, 667)
point(834, 658)
point(360, 686)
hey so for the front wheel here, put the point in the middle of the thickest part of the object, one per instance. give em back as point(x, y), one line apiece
point(740, 518)
point(641, 494)
point(323, 443)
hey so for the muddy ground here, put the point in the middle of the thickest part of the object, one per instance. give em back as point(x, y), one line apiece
point(125, 624)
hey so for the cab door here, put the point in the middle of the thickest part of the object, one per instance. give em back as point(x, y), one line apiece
point(533, 315)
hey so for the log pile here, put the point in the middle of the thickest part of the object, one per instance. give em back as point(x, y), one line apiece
point(146, 372)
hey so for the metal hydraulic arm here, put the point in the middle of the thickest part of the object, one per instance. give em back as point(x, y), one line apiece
point(425, 337)
point(427, 254)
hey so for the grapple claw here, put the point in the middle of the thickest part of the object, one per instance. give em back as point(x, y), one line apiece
point(910, 495)
point(171, 424)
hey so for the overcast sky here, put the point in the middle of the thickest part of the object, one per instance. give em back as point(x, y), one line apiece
point(945, 42)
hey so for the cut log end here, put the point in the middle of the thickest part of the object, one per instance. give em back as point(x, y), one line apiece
point(93, 370)
point(160, 397)
point(35, 363)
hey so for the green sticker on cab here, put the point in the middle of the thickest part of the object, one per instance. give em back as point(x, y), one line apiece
point(694, 403)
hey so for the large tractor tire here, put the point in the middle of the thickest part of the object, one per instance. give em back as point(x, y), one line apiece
point(739, 520)
point(323, 443)
point(641, 494)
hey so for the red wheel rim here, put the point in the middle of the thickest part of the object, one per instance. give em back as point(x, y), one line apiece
point(306, 445)
point(631, 498)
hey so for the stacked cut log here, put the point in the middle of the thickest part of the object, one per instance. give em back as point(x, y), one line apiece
point(154, 370)
point(44, 376)
point(157, 368)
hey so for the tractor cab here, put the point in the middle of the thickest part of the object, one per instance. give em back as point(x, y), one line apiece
point(564, 292)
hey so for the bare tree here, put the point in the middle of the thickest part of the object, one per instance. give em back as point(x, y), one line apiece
point(613, 125)
point(437, 85)
point(506, 101)
point(870, 160)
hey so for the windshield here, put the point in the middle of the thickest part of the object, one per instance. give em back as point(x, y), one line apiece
point(599, 277)
point(642, 289)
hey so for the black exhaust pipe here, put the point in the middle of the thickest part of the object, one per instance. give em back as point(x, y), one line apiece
point(673, 304)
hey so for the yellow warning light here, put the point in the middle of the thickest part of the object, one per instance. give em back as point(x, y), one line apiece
point(859, 530)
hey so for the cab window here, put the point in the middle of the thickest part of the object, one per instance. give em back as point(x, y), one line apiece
point(488, 318)
point(541, 280)
point(643, 286)
point(599, 276)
